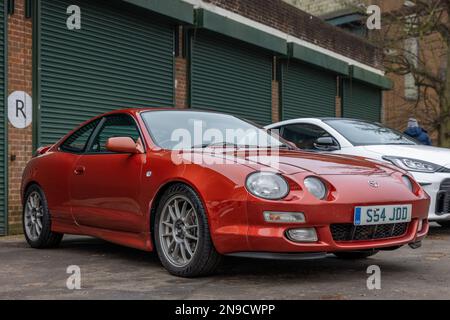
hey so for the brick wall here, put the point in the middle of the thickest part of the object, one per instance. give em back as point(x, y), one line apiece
point(181, 75)
point(19, 78)
point(275, 101)
point(284, 17)
point(181, 83)
point(320, 7)
point(338, 107)
point(324, 7)
point(397, 108)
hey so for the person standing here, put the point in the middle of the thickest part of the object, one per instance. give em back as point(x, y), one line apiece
point(417, 132)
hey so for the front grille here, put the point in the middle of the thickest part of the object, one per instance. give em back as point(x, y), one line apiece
point(349, 232)
point(443, 198)
point(445, 185)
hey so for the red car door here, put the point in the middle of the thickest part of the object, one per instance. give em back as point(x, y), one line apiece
point(58, 170)
point(105, 186)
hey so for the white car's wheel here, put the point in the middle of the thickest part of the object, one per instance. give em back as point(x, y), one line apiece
point(444, 224)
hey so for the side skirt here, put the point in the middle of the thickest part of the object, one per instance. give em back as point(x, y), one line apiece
point(140, 241)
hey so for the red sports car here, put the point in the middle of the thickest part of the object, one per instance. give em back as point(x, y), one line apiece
point(198, 185)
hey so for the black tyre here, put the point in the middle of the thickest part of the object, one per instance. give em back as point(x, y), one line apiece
point(182, 235)
point(37, 221)
point(444, 224)
point(355, 255)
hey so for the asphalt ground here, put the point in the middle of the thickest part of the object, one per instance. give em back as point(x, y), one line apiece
point(109, 271)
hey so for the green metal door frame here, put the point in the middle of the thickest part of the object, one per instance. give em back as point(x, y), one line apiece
point(302, 66)
point(5, 101)
point(195, 35)
point(346, 85)
point(35, 72)
point(37, 62)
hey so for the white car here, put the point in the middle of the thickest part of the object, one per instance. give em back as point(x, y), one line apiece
point(430, 166)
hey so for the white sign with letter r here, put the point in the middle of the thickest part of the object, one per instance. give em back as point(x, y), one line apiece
point(20, 109)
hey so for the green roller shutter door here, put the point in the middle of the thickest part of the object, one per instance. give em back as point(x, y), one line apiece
point(122, 57)
point(307, 91)
point(361, 101)
point(231, 77)
point(3, 149)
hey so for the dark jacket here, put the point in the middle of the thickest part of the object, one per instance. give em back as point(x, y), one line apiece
point(419, 134)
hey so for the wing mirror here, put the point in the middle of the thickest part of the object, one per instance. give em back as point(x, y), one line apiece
point(326, 144)
point(291, 144)
point(42, 150)
point(124, 145)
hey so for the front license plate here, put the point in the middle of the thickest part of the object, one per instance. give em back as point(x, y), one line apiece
point(368, 216)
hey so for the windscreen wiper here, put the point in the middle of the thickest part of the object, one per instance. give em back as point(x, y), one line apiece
point(216, 144)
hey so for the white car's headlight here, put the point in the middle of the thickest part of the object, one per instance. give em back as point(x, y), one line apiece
point(408, 183)
point(316, 187)
point(409, 164)
point(267, 185)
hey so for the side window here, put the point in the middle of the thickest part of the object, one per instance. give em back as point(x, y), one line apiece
point(121, 125)
point(77, 142)
point(304, 136)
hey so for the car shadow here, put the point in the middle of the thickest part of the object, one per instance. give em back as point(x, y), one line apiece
point(437, 231)
point(305, 268)
point(238, 267)
point(242, 268)
point(98, 247)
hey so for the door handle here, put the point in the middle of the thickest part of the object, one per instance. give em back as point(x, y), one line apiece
point(79, 171)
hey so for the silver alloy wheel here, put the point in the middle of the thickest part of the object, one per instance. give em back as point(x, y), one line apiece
point(34, 213)
point(178, 230)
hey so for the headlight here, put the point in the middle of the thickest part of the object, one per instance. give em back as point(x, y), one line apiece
point(408, 183)
point(316, 187)
point(413, 164)
point(267, 185)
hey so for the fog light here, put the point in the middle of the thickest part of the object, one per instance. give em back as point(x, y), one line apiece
point(420, 227)
point(302, 235)
point(284, 217)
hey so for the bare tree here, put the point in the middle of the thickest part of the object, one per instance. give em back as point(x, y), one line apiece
point(415, 40)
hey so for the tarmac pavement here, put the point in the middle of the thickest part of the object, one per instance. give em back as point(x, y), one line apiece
point(109, 271)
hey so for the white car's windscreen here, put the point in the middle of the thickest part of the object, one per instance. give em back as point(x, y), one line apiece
point(364, 133)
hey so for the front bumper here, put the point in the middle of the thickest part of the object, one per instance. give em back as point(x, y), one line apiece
point(431, 183)
point(238, 225)
point(321, 215)
point(273, 239)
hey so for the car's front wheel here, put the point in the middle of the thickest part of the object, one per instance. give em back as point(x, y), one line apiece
point(182, 235)
point(355, 255)
point(37, 220)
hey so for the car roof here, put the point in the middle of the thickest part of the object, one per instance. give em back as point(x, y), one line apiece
point(134, 110)
point(342, 119)
point(148, 109)
point(322, 119)
point(328, 118)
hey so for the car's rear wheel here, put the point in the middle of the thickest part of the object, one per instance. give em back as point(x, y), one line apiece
point(37, 220)
point(444, 224)
point(182, 235)
point(355, 255)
